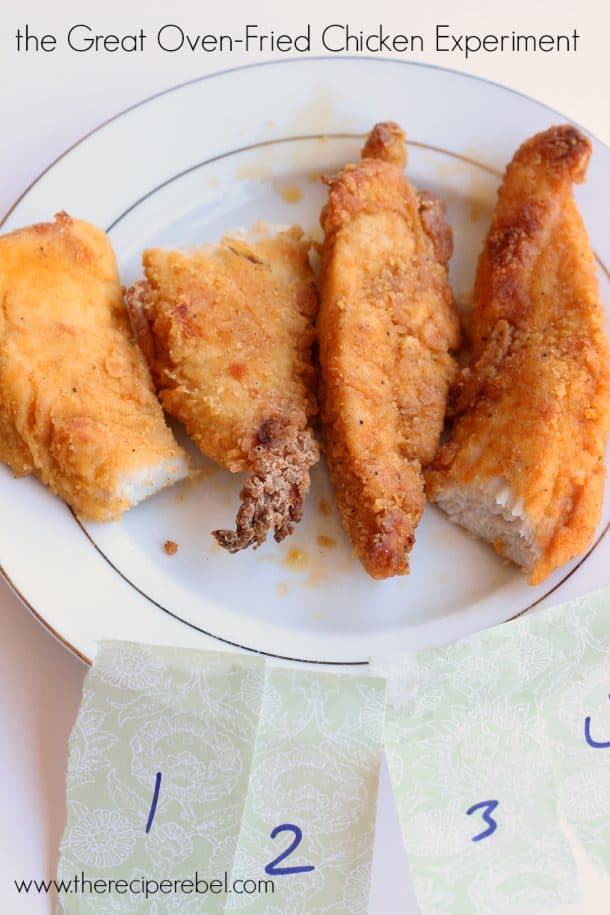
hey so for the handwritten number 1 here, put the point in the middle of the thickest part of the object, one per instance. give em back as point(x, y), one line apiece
point(272, 868)
point(596, 744)
point(489, 807)
point(153, 806)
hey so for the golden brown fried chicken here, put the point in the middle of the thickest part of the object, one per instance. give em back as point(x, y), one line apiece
point(387, 323)
point(524, 467)
point(228, 331)
point(77, 407)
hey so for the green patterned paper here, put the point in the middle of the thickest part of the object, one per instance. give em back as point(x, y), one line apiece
point(229, 767)
point(190, 715)
point(516, 719)
point(316, 766)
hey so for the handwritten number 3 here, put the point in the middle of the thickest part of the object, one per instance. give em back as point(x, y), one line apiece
point(489, 807)
point(272, 869)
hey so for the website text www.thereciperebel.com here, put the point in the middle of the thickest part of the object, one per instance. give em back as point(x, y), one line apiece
point(145, 886)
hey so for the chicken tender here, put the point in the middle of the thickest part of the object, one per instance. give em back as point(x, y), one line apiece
point(524, 467)
point(77, 406)
point(228, 331)
point(387, 324)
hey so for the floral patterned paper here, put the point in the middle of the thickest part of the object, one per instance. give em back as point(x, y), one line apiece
point(190, 715)
point(315, 766)
point(501, 717)
point(233, 765)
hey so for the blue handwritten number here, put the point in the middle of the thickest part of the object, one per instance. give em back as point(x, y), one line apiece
point(596, 744)
point(153, 806)
point(272, 869)
point(489, 807)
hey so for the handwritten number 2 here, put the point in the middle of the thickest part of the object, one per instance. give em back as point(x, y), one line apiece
point(489, 807)
point(272, 869)
point(596, 744)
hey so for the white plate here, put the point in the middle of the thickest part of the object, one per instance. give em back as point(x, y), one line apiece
point(181, 168)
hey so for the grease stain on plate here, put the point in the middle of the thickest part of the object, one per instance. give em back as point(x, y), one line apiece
point(258, 168)
point(295, 559)
point(300, 562)
point(324, 507)
point(325, 542)
point(289, 193)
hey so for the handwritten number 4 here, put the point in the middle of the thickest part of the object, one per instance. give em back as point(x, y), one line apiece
point(489, 807)
point(272, 869)
point(596, 744)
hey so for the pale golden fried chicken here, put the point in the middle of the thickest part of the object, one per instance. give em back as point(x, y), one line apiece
point(77, 406)
point(228, 331)
point(386, 326)
point(524, 467)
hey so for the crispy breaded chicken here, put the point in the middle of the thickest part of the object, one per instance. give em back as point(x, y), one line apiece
point(77, 406)
point(386, 327)
point(228, 331)
point(524, 467)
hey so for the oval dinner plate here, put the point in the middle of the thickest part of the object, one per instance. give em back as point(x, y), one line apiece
point(179, 169)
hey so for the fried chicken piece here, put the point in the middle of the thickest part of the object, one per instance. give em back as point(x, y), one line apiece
point(387, 323)
point(524, 467)
point(228, 331)
point(77, 407)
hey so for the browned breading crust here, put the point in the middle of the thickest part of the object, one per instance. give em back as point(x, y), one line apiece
point(278, 480)
point(229, 332)
point(77, 407)
point(534, 408)
point(436, 227)
point(387, 143)
point(387, 322)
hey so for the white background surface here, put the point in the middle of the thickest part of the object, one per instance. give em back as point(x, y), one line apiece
point(50, 101)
